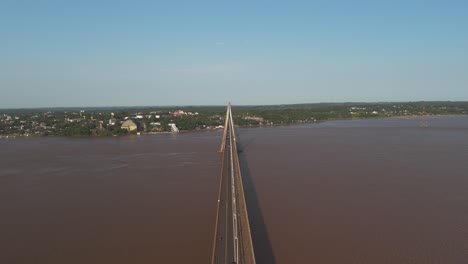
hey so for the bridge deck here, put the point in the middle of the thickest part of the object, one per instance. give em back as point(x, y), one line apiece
point(233, 242)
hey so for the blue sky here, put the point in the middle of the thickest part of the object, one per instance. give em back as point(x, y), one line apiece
point(108, 53)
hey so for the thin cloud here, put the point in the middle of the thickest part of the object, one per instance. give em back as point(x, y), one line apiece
point(205, 69)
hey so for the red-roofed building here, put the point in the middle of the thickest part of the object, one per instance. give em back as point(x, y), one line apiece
point(178, 113)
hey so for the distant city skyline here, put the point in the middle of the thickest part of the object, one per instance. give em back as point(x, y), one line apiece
point(131, 53)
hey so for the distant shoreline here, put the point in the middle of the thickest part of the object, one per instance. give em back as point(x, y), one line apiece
point(242, 126)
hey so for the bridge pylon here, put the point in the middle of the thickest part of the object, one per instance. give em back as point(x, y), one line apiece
point(226, 122)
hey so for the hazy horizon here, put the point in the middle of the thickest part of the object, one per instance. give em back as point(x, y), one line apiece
point(223, 105)
point(107, 53)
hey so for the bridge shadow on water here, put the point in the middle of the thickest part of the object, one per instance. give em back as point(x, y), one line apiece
point(260, 239)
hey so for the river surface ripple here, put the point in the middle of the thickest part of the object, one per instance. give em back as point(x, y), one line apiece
point(356, 191)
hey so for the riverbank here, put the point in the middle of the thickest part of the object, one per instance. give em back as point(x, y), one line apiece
point(11, 136)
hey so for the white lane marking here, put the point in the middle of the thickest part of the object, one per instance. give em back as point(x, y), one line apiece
point(234, 207)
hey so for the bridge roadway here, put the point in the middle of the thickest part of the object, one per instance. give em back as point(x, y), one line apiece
point(232, 240)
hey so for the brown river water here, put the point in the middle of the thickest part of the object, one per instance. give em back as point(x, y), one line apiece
point(357, 191)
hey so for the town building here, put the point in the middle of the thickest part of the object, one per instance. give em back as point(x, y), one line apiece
point(174, 128)
point(129, 125)
point(254, 118)
point(178, 113)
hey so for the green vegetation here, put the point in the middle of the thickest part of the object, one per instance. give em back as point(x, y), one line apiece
point(107, 121)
